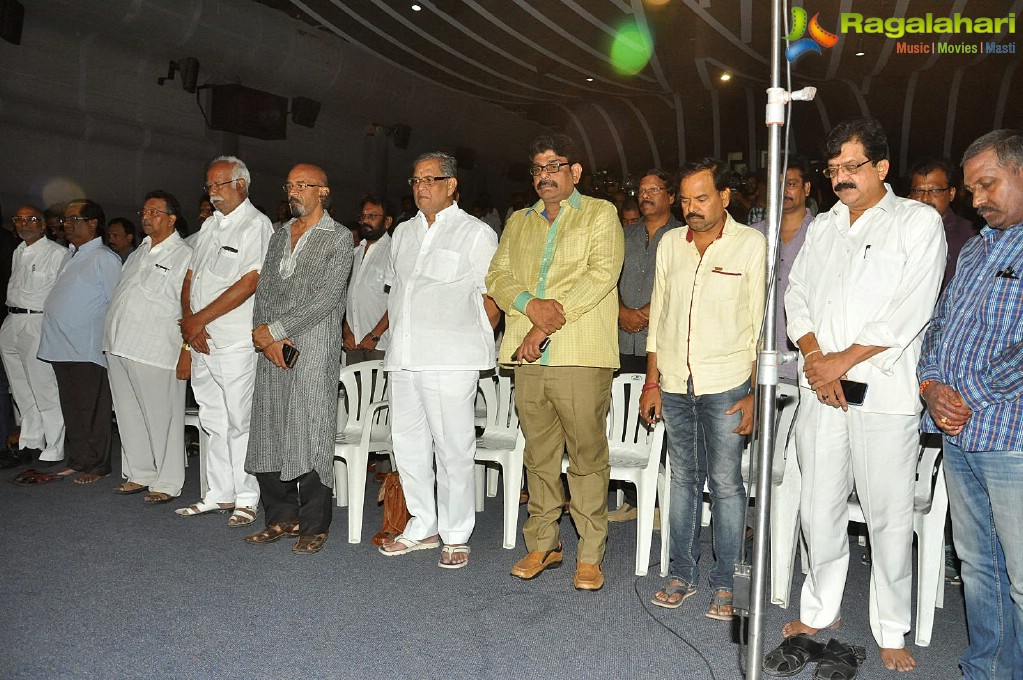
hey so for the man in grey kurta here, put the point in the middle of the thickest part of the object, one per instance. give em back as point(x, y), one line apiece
point(300, 301)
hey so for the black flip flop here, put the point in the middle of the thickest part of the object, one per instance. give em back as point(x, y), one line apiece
point(791, 656)
point(839, 661)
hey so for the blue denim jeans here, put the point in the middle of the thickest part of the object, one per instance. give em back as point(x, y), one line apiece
point(702, 447)
point(985, 498)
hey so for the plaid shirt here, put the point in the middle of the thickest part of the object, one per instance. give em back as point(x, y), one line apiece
point(975, 341)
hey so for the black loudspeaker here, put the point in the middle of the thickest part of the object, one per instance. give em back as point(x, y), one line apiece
point(245, 111)
point(12, 18)
point(304, 111)
point(466, 157)
point(189, 68)
point(400, 135)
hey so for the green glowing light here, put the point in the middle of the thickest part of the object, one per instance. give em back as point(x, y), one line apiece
point(631, 49)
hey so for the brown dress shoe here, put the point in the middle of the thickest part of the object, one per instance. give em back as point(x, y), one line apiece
point(307, 544)
point(588, 577)
point(533, 564)
point(273, 532)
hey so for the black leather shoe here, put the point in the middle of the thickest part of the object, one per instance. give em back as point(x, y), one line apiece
point(9, 460)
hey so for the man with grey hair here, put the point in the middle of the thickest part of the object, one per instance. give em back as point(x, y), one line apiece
point(970, 379)
point(216, 325)
point(441, 338)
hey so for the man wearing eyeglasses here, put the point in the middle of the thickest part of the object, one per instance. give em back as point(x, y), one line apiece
point(931, 182)
point(365, 329)
point(35, 267)
point(860, 294)
point(554, 275)
point(147, 366)
point(216, 325)
point(72, 341)
point(441, 338)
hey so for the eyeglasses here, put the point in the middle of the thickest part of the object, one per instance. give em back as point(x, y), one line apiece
point(428, 181)
point(301, 186)
point(31, 219)
point(653, 191)
point(210, 186)
point(920, 193)
point(550, 168)
point(847, 168)
point(152, 212)
point(370, 216)
point(70, 221)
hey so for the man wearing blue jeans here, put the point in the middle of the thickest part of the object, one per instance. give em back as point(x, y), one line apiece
point(705, 318)
point(971, 378)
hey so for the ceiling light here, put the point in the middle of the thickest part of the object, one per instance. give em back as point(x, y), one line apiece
point(726, 76)
point(416, 8)
point(589, 80)
point(861, 53)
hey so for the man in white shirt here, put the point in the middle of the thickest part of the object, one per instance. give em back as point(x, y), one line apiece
point(36, 264)
point(860, 293)
point(146, 363)
point(365, 329)
point(216, 322)
point(442, 337)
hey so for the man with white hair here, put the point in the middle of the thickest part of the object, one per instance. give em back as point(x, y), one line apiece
point(216, 324)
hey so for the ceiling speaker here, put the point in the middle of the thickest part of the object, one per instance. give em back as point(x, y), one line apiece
point(400, 135)
point(245, 111)
point(12, 19)
point(304, 111)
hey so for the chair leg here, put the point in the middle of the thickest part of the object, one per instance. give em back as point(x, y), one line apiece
point(644, 527)
point(492, 473)
point(480, 470)
point(356, 495)
point(664, 493)
point(512, 474)
point(340, 482)
point(930, 569)
point(204, 445)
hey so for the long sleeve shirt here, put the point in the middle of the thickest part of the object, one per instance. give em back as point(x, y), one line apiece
point(575, 260)
point(975, 341)
point(706, 311)
point(870, 283)
point(636, 285)
point(34, 271)
point(367, 299)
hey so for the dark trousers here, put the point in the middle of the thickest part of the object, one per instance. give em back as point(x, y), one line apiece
point(88, 411)
point(304, 498)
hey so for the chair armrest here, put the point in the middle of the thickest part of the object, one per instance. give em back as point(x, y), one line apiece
point(367, 423)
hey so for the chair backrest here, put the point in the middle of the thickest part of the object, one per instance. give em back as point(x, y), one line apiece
point(361, 385)
point(627, 435)
point(928, 470)
point(498, 394)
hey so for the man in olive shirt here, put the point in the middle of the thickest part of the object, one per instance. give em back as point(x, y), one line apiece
point(554, 275)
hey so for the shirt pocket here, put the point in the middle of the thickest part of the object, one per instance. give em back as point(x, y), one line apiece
point(725, 283)
point(442, 265)
point(154, 278)
point(225, 263)
point(879, 276)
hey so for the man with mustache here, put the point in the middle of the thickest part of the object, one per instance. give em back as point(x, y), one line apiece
point(795, 218)
point(705, 318)
point(860, 294)
point(554, 275)
point(365, 329)
point(970, 377)
point(216, 325)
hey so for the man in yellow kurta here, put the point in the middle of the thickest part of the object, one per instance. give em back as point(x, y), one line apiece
point(554, 274)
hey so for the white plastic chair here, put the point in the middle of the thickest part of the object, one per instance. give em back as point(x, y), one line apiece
point(930, 506)
point(635, 455)
point(501, 443)
point(365, 430)
point(192, 419)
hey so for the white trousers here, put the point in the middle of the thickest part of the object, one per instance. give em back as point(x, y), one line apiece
point(33, 385)
point(150, 407)
point(222, 382)
point(878, 452)
point(433, 412)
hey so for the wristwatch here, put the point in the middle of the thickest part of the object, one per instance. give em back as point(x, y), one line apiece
point(374, 337)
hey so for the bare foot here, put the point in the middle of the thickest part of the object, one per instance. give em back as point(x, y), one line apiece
point(394, 545)
point(453, 555)
point(88, 478)
point(66, 472)
point(897, 659)
point(797, 627)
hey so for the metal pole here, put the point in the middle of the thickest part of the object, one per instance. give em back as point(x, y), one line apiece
point(768, 361)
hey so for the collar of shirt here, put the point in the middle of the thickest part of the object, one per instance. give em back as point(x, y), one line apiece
point(731, 226)
point(239, 214)
point(86, 247)
point(165, 244)
point(574, 200)
point(888, 203)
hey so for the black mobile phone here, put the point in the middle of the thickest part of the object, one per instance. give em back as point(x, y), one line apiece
point(855, 392)
point(290, 354)
point(543, 346)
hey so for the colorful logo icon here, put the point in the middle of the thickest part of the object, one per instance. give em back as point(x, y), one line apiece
point(798, 45)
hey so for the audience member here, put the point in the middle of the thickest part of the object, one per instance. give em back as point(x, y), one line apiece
point(299, 303)
point(442, 338)
point(705, 318)
point(753, 198)
point(630, 213)
point(554, 275)
point(216, 322)
point(931, 182)
point(860, 292)
point(72, 339)
point(121, 237)
point(147, 365)
point(36, 264)
point(365, 329)
point(55, 223)
point(973, 387)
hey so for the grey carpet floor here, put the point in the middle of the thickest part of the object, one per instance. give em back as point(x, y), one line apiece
point(96, 585)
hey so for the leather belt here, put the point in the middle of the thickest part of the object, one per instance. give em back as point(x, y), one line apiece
point(20, 310)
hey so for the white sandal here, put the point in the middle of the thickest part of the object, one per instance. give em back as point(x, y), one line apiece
point(449, 551)
point(408, 545)
point(200, 508)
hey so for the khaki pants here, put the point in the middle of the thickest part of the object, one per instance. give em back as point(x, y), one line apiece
point(559, 407)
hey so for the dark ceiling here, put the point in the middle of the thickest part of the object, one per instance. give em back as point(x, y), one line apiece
point(550, 62)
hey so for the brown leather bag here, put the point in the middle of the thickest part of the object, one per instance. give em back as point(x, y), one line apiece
point(396, 514)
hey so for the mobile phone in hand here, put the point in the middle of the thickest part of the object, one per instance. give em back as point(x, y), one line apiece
point(855, 392)
point(543, 347)
point(290, 354)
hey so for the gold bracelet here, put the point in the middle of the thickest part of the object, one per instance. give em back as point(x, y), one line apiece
point(184, 345)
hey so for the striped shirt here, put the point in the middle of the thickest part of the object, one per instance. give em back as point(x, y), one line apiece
point(975, 341)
